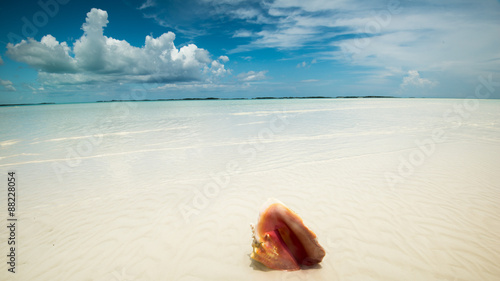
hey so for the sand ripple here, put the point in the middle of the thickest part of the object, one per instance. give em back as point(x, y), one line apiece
point(156, 201)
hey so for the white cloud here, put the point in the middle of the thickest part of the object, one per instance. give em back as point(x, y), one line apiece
point(242, 33)
point(246, 13)
point(452, 42)
point(7, 85)
point(317, 5)
point(147, 4)
point(305, 64)
point(414, 79)
point(48, 55)
point(224, 59)
point(401, 34)
point(217, 69)
point(252, 76)
point(288, 37)
point(98, 58)
point(1, 60)
point(455, 37)
point(291, 24)
point(35, 89)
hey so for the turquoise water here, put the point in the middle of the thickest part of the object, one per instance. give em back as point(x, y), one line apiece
point(169, 188)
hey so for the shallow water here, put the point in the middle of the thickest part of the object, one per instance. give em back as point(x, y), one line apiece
point(395, 189)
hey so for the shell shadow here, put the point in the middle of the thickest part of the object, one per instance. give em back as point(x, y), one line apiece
point(260, 267)
point(316, 266)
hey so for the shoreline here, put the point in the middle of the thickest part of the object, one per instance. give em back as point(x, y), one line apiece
point(213, 98)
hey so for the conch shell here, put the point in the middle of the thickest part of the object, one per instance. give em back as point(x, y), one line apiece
point(281, 240)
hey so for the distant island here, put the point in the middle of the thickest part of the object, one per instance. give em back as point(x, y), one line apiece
point(19, 104)
point(255, 98)
point(213, 98)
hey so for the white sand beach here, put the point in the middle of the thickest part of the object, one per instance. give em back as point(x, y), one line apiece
point(395, 189)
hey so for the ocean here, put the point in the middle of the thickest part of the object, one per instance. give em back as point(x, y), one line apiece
point(395, 189)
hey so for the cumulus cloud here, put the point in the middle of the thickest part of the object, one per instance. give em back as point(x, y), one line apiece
point(224, 58)
point(414, 79)
point(376, 34)
point(217, 69)
point(98, 58)
point(252, 76)
point(48, 55)
point(7, 85)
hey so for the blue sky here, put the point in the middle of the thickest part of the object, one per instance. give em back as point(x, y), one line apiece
point(80, 51)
